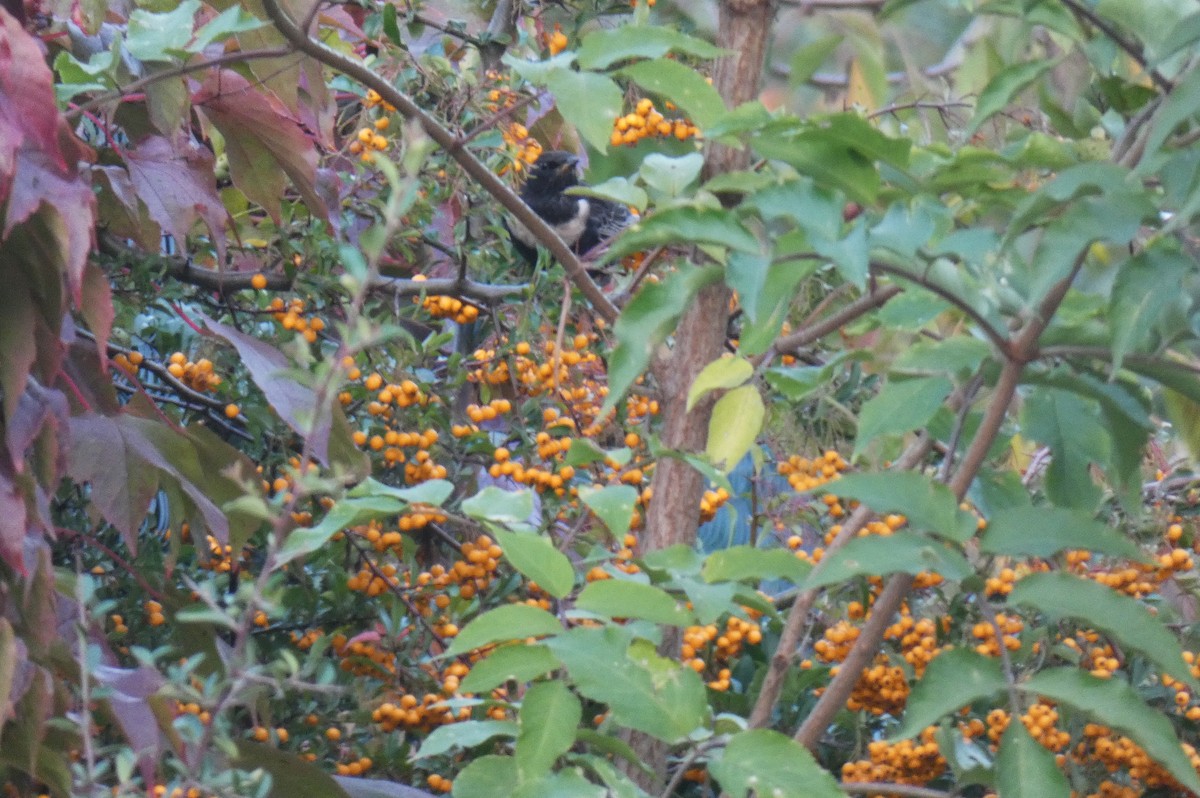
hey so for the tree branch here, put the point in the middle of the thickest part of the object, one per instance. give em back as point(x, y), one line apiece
point(991, 332)
point(445, 139)
point(1130, 47)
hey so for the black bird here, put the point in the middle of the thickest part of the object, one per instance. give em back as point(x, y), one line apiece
point(582, 223)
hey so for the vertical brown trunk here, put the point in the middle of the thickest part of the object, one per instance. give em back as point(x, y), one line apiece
point(673, 515)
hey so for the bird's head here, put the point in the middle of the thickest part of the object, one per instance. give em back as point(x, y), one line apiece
point(554, 171)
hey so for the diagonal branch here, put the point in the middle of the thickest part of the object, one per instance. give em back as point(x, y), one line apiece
point(990, 331)
point(445, 139)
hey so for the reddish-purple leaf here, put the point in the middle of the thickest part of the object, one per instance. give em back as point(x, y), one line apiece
point(62, 194)
point(13, 521)
point(129, 694)
point(97, 308)
point(27, 109)
point(123, 482)
point(12, 662)
point(263, 140)
point(37, 408)
point(176, 184)
point(295, 403)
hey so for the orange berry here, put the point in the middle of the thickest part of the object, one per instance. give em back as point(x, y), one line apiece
point(231, 411)
point(259, 281)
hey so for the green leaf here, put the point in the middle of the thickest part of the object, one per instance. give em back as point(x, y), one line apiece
point(536, 558)
point(765, 762)
point(549, 716)
point(1024, 769)
point(592, 102)
point(584, 451)
point(500, 506)
point(290, 775)
point(519, 662)
point(1136, 305)
point(646, 322)
point(391, 27)
point(433, 491)
point(807, 60)
point(927, 504)
point(343, 515)
point(1116, 704)
point(1077, 438)
point(1001, 90)
point(157, 37)
point(487, 777)
point(602, 48)
point(952, 680)
point(875, 555)
point(849, 254)
point(670, 176)
point(642, 690)
point(901, 407)
point(510, 622)
point(681, 85)
point(464, 734)
point(740, 563)
point(1046, 531)
point(736, 420)
point(686, 223)
point(563, 784)
point(1063, 595)
point(617, 189)
point(619, 598)
point(954, 355)
point(230, 21)
point(724, 372)
point(612, 504)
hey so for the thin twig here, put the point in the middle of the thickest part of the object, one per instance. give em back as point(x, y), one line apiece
point(1132, 48)
point(179, 71)
point(991, 332)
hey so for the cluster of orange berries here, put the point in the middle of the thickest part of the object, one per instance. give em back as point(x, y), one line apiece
point(118, 623)
point(160, 791)
point(540, 479)
point(1100, 658)
point(405, 393)
point(220, 558)
point(836, 642)
point(1001, 584)
point(1183, 696)
point(291, 315)
point(439, 783)
point(526, 149)
point(622, 560)
point(192, 708)
point(1117, 752)
point(363, 657)
point(129, 362)
point(1010, 626)
point(372, 100)
point(154, 613)
point(916, 639)
point(710, 502)
point(725, 644)
point(647, 122)
point(261, 734)
point(882, 689)
point(355, 767)
point(804, 474)
point(419, 714)
point(912, 762)
point(198, 376)
point(370, 140)
point(556, 40)
point(448, 307)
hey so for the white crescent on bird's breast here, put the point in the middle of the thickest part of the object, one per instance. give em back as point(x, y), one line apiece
point(569, 232)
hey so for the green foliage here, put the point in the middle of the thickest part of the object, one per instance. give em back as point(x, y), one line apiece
point(301, 475)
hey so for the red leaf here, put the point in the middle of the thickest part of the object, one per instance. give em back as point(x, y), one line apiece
point(97, 307)
point(36, 408)
point(13, 519)
point(177, 185)
point(27, 110)
point(296, 404)
point(264, 142)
